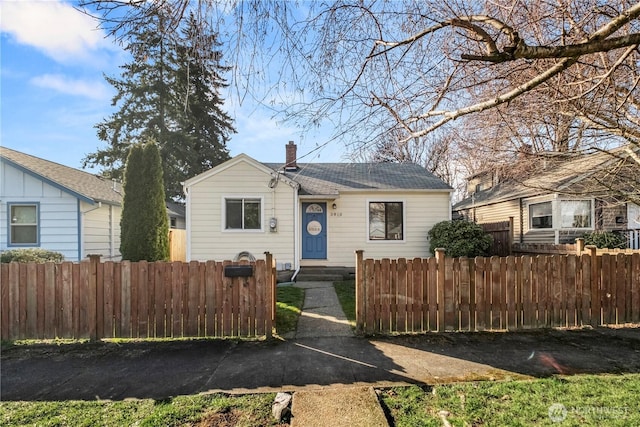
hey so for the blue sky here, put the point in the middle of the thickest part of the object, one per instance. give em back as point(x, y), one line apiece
point(53, 59)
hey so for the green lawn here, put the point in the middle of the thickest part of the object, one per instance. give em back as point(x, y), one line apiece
point(214, 409)
point(591, 400)
point(346, 292)
point(581, 400)
point(288, 308)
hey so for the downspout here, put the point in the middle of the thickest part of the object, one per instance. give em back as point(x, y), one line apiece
point(81, 226)
point(296, 233)
point(188, 221)
point(521, 220)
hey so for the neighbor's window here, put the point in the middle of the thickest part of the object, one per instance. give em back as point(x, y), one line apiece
point(23, 228)
point(243, 214)
point(541, 215)
point(575, 214)
point(386, 221)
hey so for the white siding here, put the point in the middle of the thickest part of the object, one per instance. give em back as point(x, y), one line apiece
point(206, 235)
point(348, 232)
point(58, 211)
point(101, 230)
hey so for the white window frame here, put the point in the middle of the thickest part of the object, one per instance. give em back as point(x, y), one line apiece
point(11, 225)
point(553, 222)
point(243, 197)
point(556, 213)
point(404, 221)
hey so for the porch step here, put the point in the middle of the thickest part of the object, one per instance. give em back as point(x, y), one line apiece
point(324, 274)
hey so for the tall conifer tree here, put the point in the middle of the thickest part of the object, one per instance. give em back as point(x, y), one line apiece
point(166, 95)
point(144, 227)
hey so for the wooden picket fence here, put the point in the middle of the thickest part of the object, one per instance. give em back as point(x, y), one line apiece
point(497, 293)
point(95, 300)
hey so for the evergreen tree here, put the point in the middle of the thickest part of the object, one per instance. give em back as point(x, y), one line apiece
point(144, 227)
point(131, 234)
point(166, 95)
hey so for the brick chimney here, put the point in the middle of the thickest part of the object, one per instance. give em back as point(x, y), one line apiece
point(290, 163)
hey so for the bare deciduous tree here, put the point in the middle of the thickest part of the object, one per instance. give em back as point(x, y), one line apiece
point(498, 75)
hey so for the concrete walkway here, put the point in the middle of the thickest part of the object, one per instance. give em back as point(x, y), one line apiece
point(322, 315)
point(319, 356)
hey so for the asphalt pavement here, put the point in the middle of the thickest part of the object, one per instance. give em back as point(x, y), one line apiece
point(331, 356)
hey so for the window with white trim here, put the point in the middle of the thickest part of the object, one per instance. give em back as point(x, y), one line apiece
point(243, 214)
point(576, 214)
point(541, 215)
point(23, 224)
point(386, 221)
point(561, 214)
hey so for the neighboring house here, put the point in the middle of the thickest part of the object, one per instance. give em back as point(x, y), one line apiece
point(176, 214)
point(560, 202)
point(50, 206)
point(312, 214)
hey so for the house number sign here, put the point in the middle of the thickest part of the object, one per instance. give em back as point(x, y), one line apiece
point(314, 228)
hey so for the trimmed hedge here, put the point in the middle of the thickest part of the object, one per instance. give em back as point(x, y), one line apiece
point(31, 255)
point(605, 240)
point(459, 239)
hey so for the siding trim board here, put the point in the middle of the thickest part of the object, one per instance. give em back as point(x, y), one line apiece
point(48, 181)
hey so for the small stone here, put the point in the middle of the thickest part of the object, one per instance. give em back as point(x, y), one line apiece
point(280, 406)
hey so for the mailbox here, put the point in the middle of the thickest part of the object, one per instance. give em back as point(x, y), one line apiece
point(238, 271)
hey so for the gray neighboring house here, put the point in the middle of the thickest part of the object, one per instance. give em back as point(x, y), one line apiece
point(50, 206)
point(176, 213)
point(313, 214)
point(559, 203)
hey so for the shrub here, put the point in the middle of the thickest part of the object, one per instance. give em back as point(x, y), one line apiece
point(605, 239)
point(459, 239)
point(31, 255)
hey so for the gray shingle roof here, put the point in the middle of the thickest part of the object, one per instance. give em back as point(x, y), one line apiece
point(331, 178)
point(561, 176)
point(80, 183)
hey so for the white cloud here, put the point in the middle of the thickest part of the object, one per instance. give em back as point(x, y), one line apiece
point(56, 28)
point(62, 84)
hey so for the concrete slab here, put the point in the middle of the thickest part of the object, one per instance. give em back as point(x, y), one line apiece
point(337, 407)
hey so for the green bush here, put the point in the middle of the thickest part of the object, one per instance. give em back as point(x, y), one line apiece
point(459, 239)
point(31, 255)
point(605, 239)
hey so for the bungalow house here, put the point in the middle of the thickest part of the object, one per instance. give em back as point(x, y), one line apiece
point(50, 206)
point(565, 197)
point(312, 214)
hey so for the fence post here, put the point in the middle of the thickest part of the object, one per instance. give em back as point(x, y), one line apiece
point(440, 264)
point(94, 262)
point(579, 246)
point(360, 292)
point(272, 291)
point(596, 295)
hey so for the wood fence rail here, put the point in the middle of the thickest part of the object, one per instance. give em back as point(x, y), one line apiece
point(507, 293)
point(126, 299)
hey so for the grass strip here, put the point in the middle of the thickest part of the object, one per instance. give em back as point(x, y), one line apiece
point(288, 308)
point(209, 409)
point(581, 400)
point(346, 291)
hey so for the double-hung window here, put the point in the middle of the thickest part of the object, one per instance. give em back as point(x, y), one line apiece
point(243, 214)
point(386, 221)
point(23, 224)
point(541, 215)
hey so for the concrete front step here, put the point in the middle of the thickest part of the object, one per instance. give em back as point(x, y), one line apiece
point(318, 277)
point(337, 407)
point(324, 274)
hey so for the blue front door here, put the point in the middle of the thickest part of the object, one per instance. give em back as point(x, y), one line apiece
point(314, 230)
